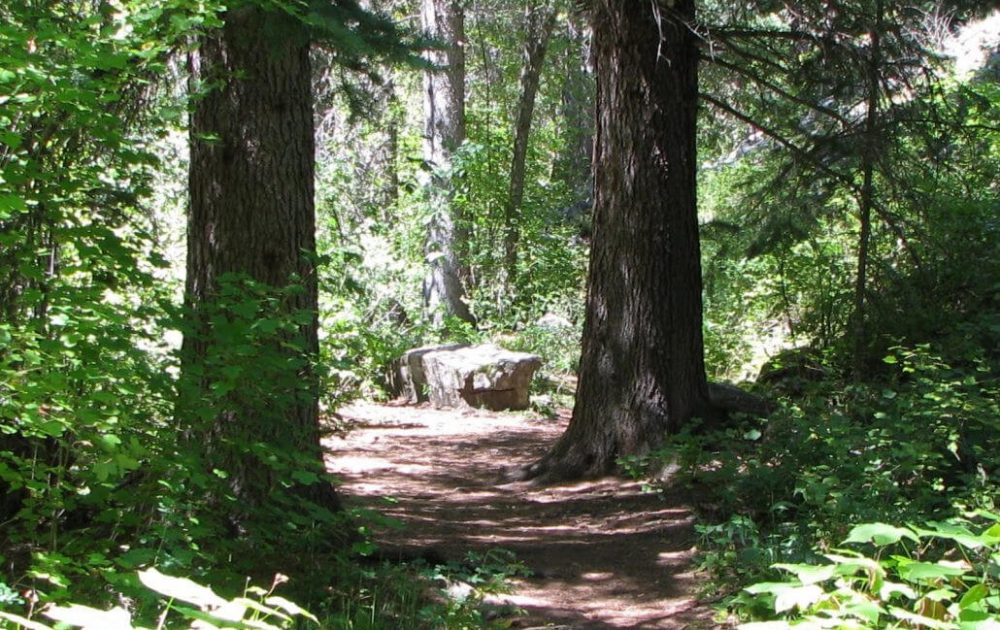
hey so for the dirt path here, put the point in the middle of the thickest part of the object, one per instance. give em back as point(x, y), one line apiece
point(604, 554)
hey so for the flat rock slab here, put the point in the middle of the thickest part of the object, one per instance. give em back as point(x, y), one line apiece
point(483, 376)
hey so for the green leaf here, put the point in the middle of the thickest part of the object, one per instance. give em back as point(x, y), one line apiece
point(974, 595)
point(305, 477)
point(920, 620)
point(770, 587)
point(110, 441)
point(10, 204)
point(866, 609)
point(880, 534)
point(181, 588)
point(86, 617)
point(261, 608)
point(290, 607)
point(11, 139)
point(957, 533)
point(913, 571)
point(992, 535)
point(893, 588)
point(808, 573)
point(52, 428)
point(27, 624)
point(801, 597)
point(215, 621)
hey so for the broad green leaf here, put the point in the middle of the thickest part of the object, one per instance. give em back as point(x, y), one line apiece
point(974, 595)
point(865, 609)
point(880, 534)
point(808, 573)
point(801, 597)
point(79, 616)
point(912, 571)
point(920, 620)
point(28, 624)
point(11, 204)
point(770, 587)
point(261, 608)
point(765, 625)
point(992, 535)
point(849, 565)
point(949, 531)
point(290, 607)
point(209, 620)
point(940, 595)
point(893, 588)
point(984, 624)
point(181, 588)
point(11, 139)
point(52, 428)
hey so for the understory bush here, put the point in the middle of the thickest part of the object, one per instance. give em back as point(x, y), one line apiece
point(944, 575)
point(921, 445)
point(381, 596)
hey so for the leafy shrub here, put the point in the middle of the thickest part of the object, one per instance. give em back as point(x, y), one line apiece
point(182, 601)
point(942, 577)
point(922, 445)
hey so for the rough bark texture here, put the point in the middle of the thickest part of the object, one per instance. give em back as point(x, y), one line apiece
point(252, 212)
point(642, 368)
point(444, 115)
point(540, 21)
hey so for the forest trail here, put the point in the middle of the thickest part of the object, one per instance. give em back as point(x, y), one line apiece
point(604, 554)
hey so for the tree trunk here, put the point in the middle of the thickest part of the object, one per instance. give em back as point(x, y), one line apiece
point(578, 110)
point(867, 197)
point(540, 21)
point(252, 214)
point(444, 111)
point(642, 370)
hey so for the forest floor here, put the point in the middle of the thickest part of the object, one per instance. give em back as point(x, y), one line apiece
point(602, 554)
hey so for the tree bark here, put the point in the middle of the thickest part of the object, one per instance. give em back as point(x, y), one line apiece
point(642, 370)
point(444, 132)
point(867, 195)
point(539, 20)
point(578, 109)
point(252, 214)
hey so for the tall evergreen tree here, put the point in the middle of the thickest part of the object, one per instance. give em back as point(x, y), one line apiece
point(642, 370)
point(252, 215)
point(251, 243)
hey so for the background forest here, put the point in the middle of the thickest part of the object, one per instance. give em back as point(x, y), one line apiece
point(155, 419)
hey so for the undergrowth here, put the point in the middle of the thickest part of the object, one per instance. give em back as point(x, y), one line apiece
point(919, 444)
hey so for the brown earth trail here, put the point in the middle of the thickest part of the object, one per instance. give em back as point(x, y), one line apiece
point(604, 553)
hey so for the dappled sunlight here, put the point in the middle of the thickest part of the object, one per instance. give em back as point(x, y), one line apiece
point(603, 553)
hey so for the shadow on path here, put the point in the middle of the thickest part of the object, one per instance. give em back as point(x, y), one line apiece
point(603, 553)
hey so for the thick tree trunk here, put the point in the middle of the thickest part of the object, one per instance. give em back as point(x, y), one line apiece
point(642, 371)
point(539, 20)
point(444, 112)
point(252, 214)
